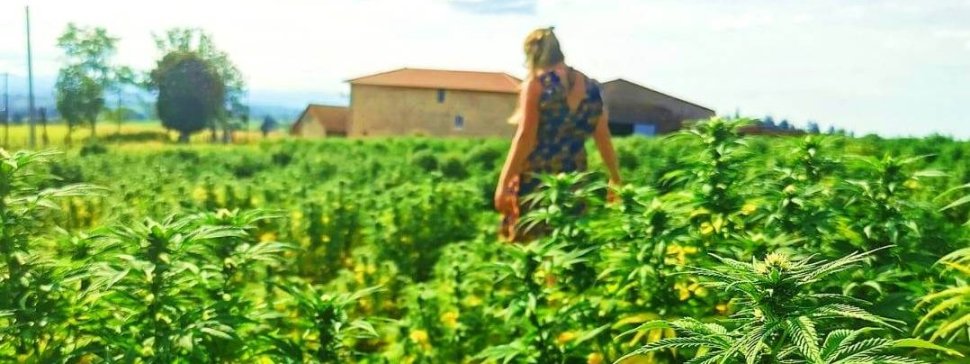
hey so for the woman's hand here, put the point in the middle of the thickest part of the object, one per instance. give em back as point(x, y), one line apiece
point(614, 185)
point(504, 200)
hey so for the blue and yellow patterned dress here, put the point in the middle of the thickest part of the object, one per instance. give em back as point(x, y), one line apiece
point(560, 139)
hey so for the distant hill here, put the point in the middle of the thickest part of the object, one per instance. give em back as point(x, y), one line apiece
point(281, 105)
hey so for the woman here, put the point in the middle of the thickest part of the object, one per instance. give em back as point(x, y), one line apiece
point(559, 108)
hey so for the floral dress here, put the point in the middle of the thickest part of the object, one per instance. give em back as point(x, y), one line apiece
point(560, 142)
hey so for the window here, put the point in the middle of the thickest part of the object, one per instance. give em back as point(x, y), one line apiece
point(441, 96)
point(459, 122)
point(644, 129)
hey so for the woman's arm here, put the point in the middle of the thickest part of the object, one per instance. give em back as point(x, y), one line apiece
point(523, 142)
point(605, 146)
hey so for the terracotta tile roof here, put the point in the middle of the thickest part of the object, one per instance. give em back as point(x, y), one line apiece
point(332, 118)
point(442, 79)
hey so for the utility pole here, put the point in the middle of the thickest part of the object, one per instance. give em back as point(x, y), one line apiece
point(6, 109)
point(30, 84)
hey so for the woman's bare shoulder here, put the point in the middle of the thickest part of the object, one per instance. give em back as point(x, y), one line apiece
point(529, 84)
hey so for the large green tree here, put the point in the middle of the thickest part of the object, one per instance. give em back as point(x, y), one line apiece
point(199, 42)
point(79, 98)
point(87, 73)
point(191, 92)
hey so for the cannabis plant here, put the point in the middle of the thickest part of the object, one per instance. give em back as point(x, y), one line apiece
point(34, 299)
point(324, 329)
point(781, 319)
point(948, 311)
point(158, 306)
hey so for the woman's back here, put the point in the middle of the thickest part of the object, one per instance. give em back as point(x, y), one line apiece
point(562, 129)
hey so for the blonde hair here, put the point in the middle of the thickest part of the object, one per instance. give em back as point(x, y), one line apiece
point(542, 49)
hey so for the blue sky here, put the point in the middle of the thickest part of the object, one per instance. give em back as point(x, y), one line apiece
point(886, 66)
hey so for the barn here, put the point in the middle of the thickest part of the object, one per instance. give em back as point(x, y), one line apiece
point(429, 102)
point(635, 109)
point(321, 121)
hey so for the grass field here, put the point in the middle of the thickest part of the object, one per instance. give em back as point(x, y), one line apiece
point(17, 136)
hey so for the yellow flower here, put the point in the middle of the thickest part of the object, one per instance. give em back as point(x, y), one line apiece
point(748, 209)
point(365, 304)
point(198, 194)
point(790, 189)
point(594, 358)
point(911, 184)
point(706, 228)
point(680, 253)
point(450, 319)
point(699, 212)
point(565, 337)
point(683, 291)
point(269, 236)
point(722, 308)
point(473, 301)
point(698, 289)
point(420, 337)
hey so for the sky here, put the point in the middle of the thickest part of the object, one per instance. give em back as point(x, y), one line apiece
point(892, 67)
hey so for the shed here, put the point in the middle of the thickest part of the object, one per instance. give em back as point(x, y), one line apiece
point(321, 120)
point(635, 109)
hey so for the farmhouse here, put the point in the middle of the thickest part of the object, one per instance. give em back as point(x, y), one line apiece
point(433, 103)
point(321, 121)
point(429, 102)
point(634, 109)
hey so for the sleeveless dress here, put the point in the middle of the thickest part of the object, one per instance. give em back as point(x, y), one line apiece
point(560, 143)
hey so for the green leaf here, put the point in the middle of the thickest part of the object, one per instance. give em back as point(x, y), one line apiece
point(216, 333)
point(963, 200)
point(923, 344)
point(802, 331)
point(589, 335)
point(656, 324)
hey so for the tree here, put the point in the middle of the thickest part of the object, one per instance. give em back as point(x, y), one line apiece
point(769, 122)
point(268, 125)
point(783, 125)
point(197, 41)
point(88, 53)
point(190, 93)
point(813, 128)
point(123, 76)
point(79, 98)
